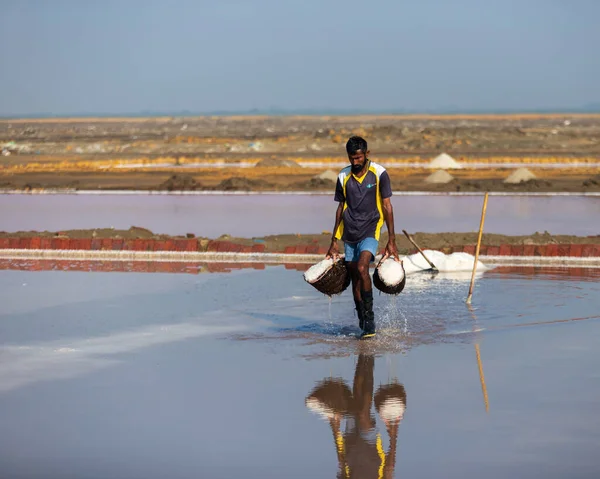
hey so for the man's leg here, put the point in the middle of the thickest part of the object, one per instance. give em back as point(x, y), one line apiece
point(368, 249)
point(351, 256)
point(356, 288)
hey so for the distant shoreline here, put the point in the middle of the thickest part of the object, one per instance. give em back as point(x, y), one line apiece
point(583, 112)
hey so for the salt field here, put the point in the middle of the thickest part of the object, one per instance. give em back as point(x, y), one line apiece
point(173, 375)
point(256, 215)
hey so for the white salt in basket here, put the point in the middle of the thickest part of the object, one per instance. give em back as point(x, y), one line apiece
point(328, 277)
point(389, 276)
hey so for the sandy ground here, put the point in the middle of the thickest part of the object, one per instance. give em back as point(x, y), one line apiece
point(106, 153)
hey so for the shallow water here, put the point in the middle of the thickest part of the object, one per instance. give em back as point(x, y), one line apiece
point(251, 374)
point(259, 215)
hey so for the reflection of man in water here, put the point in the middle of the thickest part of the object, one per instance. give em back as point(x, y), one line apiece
point(359, 449)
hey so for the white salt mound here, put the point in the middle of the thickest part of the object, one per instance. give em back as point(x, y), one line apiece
point(439, 177)
point(392, 410)
point(444, 162)
point(519, 176)
point(317, 270)
point(455, 262)
point(328, 175)
point(391, 272)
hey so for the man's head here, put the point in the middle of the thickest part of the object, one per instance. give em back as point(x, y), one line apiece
point(357, 150)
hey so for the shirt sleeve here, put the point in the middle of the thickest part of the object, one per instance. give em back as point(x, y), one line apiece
point(385, 186)
point(339, 192)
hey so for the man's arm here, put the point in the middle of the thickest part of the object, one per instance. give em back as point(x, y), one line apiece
point(388, 215)
point(333, 247)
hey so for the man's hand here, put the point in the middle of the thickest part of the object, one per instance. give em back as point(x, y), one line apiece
point(391, 250)
point(333, 251)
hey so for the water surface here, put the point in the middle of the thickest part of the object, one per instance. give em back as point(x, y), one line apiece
point(259, 215)
point(255, 374)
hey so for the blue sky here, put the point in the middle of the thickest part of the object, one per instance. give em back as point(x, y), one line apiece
point(63, 57)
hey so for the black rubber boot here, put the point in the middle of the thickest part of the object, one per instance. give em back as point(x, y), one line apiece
point(369, 316)
point(360, 311)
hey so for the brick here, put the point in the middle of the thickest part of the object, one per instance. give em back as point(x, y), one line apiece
point(289, 250)
point(575, 250)
point(223, 246)
point(13, 243)
point(74, 243)
point(212, 246)
point(597, 250)
point(192, 245)
point(36, 242)
point(540, 250)
point(323, 250)
point(552, 250)
point(493, 250)
point(504, 250)
point(169, 245)
point(258, 248)
point(258, 266)
point(483, 249)
point(469, 248)
point(563, 250)
point(4, 242)
point(60, 243)
point(25, 243)
point(159, 245)
point(96, 244)
point(106, 243)
point(141, 244)
point(301, 249)
point(117, 244)
point(516, 250)
point(588, 250)
point(528, 250)
point(312, 249)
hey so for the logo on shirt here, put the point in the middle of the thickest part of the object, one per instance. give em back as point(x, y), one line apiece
point(371, 185)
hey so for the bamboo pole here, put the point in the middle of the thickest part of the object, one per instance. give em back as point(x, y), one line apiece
point(485, 199)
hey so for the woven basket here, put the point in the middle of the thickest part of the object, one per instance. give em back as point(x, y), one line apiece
point(388, 289)
point(333, 281)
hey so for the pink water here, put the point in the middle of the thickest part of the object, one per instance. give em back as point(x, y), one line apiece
point(257, 215)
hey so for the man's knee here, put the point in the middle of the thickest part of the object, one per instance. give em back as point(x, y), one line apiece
point(363, 268)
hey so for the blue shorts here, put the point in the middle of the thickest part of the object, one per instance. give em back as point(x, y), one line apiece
point(352, 251)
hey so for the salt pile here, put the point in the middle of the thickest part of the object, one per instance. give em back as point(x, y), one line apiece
point(519, 176)
point(454, 263)
point(444, 162)
point(391, 272)
point(317, 270)
point(327, 175)
point(439, 177)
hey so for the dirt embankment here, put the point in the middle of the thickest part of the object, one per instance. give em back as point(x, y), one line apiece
point(160, 153)
point(278, 243)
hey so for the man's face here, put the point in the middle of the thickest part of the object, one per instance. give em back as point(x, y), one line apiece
point(358, 160)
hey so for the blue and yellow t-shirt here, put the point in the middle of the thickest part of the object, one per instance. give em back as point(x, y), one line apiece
point(363, 202)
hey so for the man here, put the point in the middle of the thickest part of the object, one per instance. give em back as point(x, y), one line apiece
point(363, 191)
